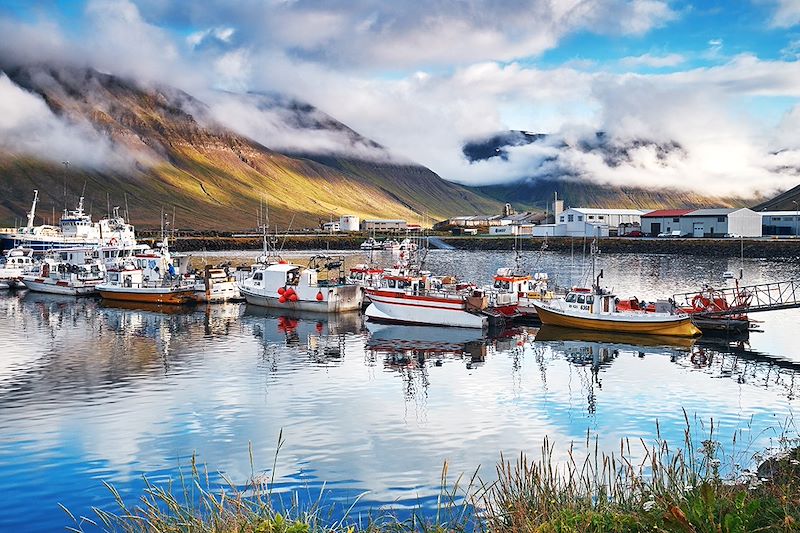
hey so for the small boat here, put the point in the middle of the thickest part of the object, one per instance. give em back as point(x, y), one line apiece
point(596, 310)
point(365, 275)
point(215, 285)
point(129, 284)
point(18, 262)
point(68, 271)
point(155, 277)
point(319, 287)
point(411, 299)
point(372, 244)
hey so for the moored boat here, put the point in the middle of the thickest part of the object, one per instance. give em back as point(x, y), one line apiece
point(596, 310)
point(17, 263)
point(319, 287)
point(215, 285)
point(410, 299)
point(68, 271)
point(371, 244)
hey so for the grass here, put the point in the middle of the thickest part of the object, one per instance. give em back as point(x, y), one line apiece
point(696, 488)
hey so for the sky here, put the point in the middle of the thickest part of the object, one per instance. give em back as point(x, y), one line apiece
point(718, 79)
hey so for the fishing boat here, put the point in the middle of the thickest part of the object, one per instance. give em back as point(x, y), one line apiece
point(321, 286)
point(17, 263)
point(372, 244)
point(413, 299)
point(156, 277)
point(365, 275)
point(75, 229)
point(68, 271)
point(215, 285)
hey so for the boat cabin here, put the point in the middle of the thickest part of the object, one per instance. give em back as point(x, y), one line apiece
point(19, 258)
point(365, 275)
point(581, 299)
point(126, 277)
point(413, 284)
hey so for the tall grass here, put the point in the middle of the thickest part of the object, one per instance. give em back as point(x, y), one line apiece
point(697, 486)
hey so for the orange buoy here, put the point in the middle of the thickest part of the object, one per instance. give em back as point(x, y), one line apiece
point(293, 297)
point(282, 299)
point(281, 290)
point(320, 297)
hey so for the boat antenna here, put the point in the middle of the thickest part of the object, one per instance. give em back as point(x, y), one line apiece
point(128, 218)
point(286, 235)
point(108, 205)
point(66, 171)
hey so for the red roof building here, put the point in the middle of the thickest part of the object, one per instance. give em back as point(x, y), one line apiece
point(666, 213)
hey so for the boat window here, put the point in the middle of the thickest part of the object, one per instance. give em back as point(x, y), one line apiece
point(570, 297)
point(391, 283)
point(590, 299)
point(497, 283)
point(401, 284)
point(581, 299)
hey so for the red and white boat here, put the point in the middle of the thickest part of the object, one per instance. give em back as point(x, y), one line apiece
point(413, 299)
point(68, 271)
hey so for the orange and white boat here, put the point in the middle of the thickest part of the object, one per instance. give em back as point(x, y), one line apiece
point(155, 277)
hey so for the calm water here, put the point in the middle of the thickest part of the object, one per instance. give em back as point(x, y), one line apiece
point(92, 393)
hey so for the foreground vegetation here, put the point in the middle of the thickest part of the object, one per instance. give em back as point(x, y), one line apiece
point(640, 487)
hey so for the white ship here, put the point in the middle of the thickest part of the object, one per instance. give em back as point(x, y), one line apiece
point(75, 229)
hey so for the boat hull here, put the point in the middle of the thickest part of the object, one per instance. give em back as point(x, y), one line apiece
point(155, 295)
point(679, 326)
point(399, 309)
point(339, 300)
point(64, 288)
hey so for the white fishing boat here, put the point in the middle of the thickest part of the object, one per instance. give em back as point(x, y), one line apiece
point(75, 229)
point(413, 299)
point(68, 271)
point(365, 275)
point(17, 263)
point(215, 285)
point(372, 244)
point(320, 287)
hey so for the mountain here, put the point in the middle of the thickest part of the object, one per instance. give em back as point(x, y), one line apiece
point(553, 172)
point(786, 201)
point(171, 152)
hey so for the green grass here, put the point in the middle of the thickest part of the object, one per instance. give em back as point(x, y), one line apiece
point(640, 487)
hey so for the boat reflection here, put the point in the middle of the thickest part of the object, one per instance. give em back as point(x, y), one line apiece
point(556, 333)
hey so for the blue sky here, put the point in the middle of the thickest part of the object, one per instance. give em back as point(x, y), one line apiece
point(719, 78)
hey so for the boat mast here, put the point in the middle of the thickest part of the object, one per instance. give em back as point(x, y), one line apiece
point(32, 214)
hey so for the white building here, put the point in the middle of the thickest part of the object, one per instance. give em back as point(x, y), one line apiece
point(720, 222)
point(349, 223)
point(383, 225)
point(780, 222)
point(330, 227)
point(590, 222)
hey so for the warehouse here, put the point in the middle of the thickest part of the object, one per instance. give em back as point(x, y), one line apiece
point(780, 222)
point(583, 221)
point(721, 222)
point(383, 225)
point(663, 221)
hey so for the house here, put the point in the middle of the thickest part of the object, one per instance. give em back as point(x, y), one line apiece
point(383, 225)
point(331, 227)
point(663, 221)
point(591, 222)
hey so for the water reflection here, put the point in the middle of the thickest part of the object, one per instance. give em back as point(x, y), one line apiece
point(92, 392)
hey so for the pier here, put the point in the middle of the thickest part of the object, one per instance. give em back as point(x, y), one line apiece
point(741, 300)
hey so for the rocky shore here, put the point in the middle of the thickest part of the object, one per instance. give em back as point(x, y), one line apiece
point(753, 248)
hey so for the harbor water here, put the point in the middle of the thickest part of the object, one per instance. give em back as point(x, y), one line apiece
point(368, 414)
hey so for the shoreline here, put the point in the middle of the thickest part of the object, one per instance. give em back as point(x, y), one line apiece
point(765, 248)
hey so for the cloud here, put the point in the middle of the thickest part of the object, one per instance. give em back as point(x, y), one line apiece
point(787, 13)
point(27, 125)
point(650, 60)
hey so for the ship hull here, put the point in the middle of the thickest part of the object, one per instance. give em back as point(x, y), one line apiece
point(678, 326)
point(399, 308)
point(59, 287)
point(338, 300)
point(155, 295)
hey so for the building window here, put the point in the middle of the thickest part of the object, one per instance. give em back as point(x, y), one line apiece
point(676, 220)
point(591, 217)
point(561, 219)
point(580, 218)
point(720, 219)
point(570, 218)
point(600, 217)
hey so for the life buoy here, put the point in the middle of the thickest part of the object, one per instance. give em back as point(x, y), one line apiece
point(113, 241)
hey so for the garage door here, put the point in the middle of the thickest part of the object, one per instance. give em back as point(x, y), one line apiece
point(698, 229)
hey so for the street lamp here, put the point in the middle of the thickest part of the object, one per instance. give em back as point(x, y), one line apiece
point(796, 217)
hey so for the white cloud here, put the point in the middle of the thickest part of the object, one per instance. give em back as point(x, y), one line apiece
point(655, 61)
point(787, 13)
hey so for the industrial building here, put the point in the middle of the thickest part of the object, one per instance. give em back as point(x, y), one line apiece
point(720, 222)
point(383, 225)
point(780, 222)
point(349, 223)
point(590, 222)
point(331, 227)
point(663, 221)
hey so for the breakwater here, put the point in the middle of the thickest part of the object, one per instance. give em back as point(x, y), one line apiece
point(752, 248)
